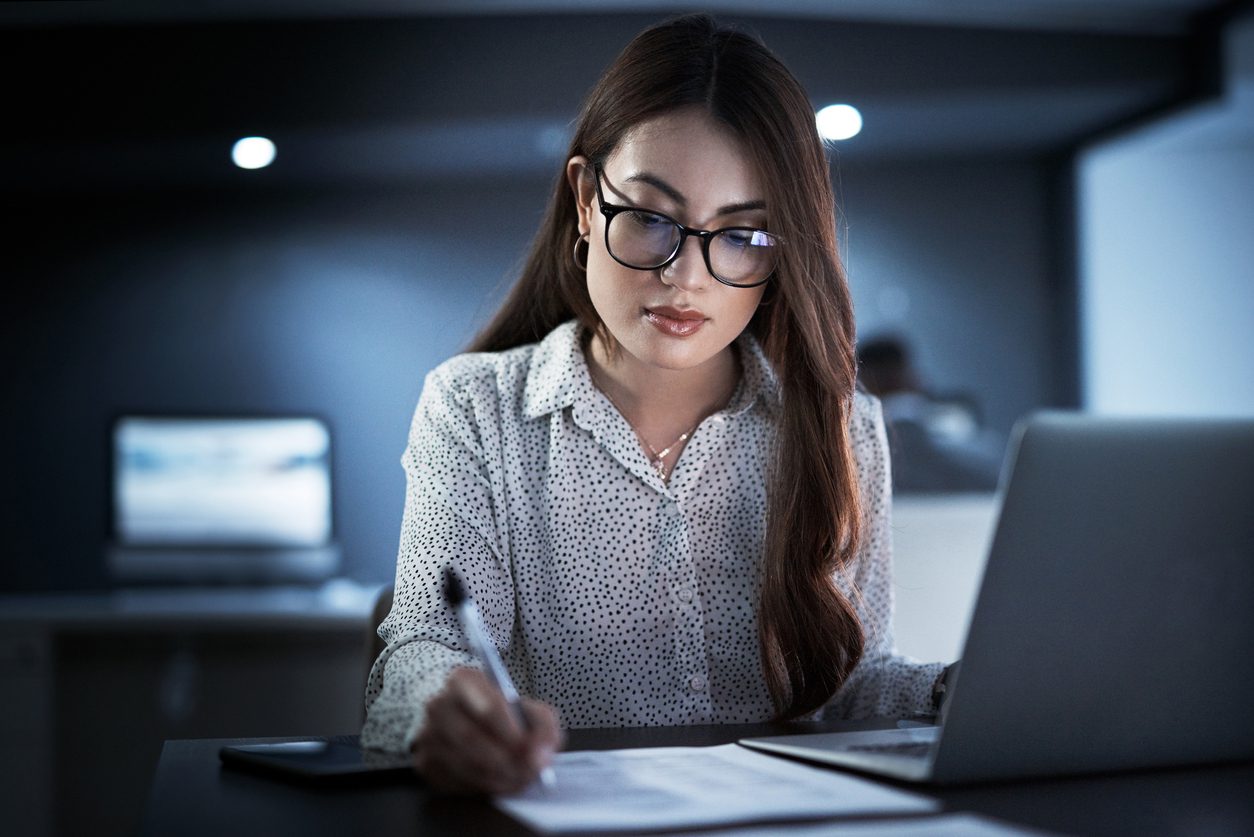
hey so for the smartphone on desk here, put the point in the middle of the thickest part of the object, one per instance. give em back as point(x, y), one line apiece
point(337, 760)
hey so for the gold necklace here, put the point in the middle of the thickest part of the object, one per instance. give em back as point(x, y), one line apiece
point(658, 463)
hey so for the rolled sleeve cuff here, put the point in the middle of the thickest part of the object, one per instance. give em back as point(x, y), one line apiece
point(415, 673)
point(890, 686)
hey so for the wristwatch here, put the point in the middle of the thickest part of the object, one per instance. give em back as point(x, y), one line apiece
point(941, 686)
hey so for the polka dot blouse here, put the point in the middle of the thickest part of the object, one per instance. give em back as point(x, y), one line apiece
point(617, 598)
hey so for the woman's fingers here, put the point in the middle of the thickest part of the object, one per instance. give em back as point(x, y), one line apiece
point(473, 741)
point(544, 737)
point(459, 743)
point(484, 702)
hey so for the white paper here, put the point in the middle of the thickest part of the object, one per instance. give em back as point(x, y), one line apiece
point(940, 825)
point(684, 787)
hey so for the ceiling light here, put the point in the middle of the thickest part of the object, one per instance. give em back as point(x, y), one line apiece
point(253, 153)
point(839, 122)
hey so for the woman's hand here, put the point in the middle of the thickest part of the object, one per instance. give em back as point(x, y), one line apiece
point(472, 742)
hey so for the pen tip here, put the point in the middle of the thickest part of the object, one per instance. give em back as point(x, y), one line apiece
point(453, 592)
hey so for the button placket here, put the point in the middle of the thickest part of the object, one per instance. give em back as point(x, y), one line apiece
point(691, 659)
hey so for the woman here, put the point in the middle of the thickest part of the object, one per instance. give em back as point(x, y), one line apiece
point(653, 472)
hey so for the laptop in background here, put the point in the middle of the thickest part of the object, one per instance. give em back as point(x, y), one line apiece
point(222, 499)
point(1114, 627)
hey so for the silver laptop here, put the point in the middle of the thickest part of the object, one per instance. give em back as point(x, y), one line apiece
point(1114, 627)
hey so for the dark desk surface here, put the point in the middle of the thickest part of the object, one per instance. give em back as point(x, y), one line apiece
point(193, 794)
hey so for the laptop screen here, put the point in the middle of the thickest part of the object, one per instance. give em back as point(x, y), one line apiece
point(221, 481)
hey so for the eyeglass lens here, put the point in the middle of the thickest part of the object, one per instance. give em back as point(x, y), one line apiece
point(647, 240)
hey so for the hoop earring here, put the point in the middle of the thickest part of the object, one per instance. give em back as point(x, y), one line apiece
point(583, 239)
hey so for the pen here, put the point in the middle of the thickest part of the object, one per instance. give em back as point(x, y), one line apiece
point(485, 651)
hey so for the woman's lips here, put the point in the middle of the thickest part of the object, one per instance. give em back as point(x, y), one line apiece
point(674, 322)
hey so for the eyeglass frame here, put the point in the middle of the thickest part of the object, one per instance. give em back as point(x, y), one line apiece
point(609, 210)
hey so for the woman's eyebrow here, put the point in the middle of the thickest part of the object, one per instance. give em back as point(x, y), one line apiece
point(677, 196)
point(745, 206)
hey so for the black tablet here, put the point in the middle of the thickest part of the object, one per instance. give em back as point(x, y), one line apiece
point(323, 761)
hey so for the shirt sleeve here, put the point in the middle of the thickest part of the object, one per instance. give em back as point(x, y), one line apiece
point(884, 683)
point(449, 520)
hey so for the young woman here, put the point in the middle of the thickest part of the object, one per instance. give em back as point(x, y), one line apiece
point(653, 472)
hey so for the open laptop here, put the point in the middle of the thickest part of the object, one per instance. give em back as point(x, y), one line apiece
point(1114, 627)
point(222, 499)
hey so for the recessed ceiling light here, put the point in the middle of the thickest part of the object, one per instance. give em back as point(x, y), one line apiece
point(839, 122)
point(253, 153)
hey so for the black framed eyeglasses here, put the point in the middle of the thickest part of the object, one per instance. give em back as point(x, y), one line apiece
point(642, 239)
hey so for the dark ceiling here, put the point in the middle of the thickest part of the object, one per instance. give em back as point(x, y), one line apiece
point(1143, 17)
point(150, 104)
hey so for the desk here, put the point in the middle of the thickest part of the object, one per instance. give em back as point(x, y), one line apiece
point(193, 795)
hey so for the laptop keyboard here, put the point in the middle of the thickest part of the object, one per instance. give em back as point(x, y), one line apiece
point(900, 748)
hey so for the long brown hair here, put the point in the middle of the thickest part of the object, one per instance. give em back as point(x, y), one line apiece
point(809, 632)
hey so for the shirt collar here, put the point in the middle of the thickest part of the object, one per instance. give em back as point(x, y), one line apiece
point(559, 377)
point(558, 373)
point(758, 378)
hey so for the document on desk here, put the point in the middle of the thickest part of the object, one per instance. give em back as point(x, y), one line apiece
point(939, 825)
point(686, 787)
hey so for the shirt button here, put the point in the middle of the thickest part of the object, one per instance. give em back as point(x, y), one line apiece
point(685, 594)
point(696, 682)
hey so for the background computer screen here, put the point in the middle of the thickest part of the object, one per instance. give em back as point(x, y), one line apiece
point(221, 481)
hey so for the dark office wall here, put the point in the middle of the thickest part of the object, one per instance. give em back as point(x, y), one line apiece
point(337, 303)
point(966, 260)
point(142, 272)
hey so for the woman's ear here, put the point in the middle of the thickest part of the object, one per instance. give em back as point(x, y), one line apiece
point(579, 176)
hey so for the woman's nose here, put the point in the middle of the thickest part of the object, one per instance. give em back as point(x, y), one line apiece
point(688, 271)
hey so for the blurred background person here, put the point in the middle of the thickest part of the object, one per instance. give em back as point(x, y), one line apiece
point(938, 442)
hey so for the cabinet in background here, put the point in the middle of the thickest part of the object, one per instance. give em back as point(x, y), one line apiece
point(92, 685)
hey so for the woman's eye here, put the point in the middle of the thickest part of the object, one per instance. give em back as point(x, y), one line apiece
point(748, 238)
point(647, 220)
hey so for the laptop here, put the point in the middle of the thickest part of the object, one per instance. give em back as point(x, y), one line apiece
point(222, 500)
point(1114, 626)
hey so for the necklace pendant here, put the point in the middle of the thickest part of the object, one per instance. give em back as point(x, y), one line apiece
point(660, 467)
